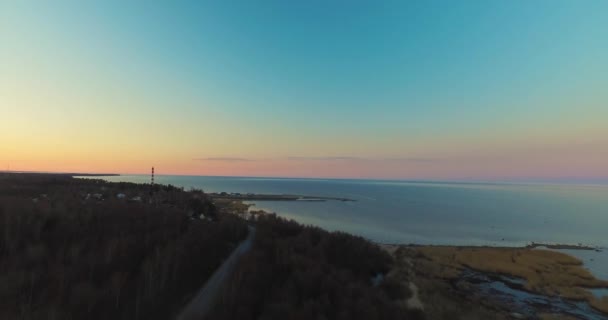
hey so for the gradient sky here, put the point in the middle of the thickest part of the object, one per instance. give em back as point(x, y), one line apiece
point(362, 89)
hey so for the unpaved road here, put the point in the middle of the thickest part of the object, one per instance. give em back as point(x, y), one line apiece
point(203, 301)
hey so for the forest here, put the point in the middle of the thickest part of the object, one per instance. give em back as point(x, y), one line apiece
point(304, 272)
point(89, 249)
point(67, 255)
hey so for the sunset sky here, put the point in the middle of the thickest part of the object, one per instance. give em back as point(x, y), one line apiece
point(482, 90)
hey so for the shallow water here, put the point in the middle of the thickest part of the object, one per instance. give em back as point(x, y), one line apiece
point(510, 291)
point(599, 293)
point(438, 213)
point(594, 261)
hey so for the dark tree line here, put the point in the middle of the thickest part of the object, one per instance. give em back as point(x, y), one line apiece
point(62, 257)
point(66, 256)
point(298, 272)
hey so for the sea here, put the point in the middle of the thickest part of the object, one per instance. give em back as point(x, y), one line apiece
point(437, 213)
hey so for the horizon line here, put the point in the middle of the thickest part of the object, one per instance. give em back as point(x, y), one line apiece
point(526, 180)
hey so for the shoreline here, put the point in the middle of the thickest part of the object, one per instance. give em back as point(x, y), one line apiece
point(530, 280)
point(564, 275)
point(238, 202)
point(541, 246)
point(484, 282)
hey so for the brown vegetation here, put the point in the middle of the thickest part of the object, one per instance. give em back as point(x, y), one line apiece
point(551, 316)
point(232, 206)
point(439, 297)
point(600, 304)
point(546, 272)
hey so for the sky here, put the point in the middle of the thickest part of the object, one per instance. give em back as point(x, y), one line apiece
point(468, 90)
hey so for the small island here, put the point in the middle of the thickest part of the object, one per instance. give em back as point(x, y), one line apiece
point(561, 246)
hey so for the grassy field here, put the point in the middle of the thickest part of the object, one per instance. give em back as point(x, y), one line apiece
point(546, 272)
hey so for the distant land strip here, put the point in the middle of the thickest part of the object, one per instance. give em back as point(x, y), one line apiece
point(273, 197)
point(70, 174)
point(559, 246)
point(93, 174)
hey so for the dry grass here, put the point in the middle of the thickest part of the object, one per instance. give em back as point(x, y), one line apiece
point(437, 295)
point(551, 316)
point(231, 206)
point(600, 304)
point(546, 272)
point(390, 248)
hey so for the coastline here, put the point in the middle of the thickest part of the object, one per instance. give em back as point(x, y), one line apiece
point(558, 283)
point(528, 282)
point(536, 283)
point(426, 213)
point(561, 246)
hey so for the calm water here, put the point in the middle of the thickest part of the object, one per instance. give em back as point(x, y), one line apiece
point(430, 212)
point(437, 213)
